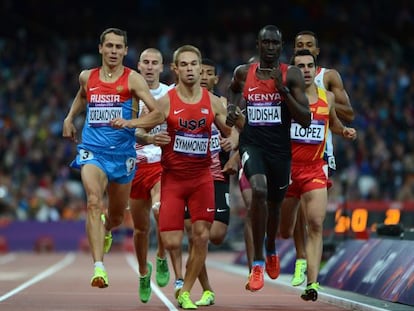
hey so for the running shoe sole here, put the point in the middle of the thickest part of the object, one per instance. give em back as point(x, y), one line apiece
point(100, 278)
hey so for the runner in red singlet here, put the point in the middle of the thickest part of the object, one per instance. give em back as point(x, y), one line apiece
point(328, 79)
point(186, 180)
point(309, 174)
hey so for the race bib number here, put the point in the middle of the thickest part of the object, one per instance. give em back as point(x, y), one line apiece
point(85, 155)
point(314, 134)
point(130, 165)
point(100, 114)
point(191, 144)
point(331, 162)
point(264, 114)
point(215, 141)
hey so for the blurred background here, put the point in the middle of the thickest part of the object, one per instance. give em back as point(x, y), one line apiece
point(45, 44)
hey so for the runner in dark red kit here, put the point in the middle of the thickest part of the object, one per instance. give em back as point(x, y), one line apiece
point(190, 111)
point(274, 94)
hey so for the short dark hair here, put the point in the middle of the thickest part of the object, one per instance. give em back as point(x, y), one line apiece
point(309, 33)
point(212, 63)
point(271, 28)
point(116, 31)
point(208, 62)
point(304, 52)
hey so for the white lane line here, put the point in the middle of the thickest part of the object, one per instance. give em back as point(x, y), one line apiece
point(284, 280)
point(133, 264)
point(69, 258)
point(7, 258)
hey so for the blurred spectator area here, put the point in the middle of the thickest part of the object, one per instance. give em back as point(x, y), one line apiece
point(45, 44)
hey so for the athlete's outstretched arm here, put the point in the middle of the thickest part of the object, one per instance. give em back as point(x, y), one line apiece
point(343, 106)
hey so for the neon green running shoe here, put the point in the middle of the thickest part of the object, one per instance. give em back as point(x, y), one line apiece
point(100, 278)
point(207, 299)
point(311, 292)
point(162, 274)
point(299, 274)
point(108, 236)
point(184, 301)
point(145, 285)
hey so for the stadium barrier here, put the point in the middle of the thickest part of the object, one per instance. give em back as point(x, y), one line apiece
point(379, 268)
point(43, 236)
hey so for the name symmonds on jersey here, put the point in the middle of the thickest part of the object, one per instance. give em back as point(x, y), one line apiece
point(193, 145)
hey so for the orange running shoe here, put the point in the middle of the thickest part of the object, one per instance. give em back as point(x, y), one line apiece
point(256, 278)
point(273, 266)
point(247, 286)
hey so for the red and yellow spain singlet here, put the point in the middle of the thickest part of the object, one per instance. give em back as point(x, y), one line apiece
point(308, 144)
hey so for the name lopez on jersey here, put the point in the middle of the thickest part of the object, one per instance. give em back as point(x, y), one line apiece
point(103, 108)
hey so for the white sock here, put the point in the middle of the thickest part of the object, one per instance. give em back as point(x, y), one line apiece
point(99, 264)
point(156, 206)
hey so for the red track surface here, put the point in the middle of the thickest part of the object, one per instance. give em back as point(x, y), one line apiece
point(60, 281)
